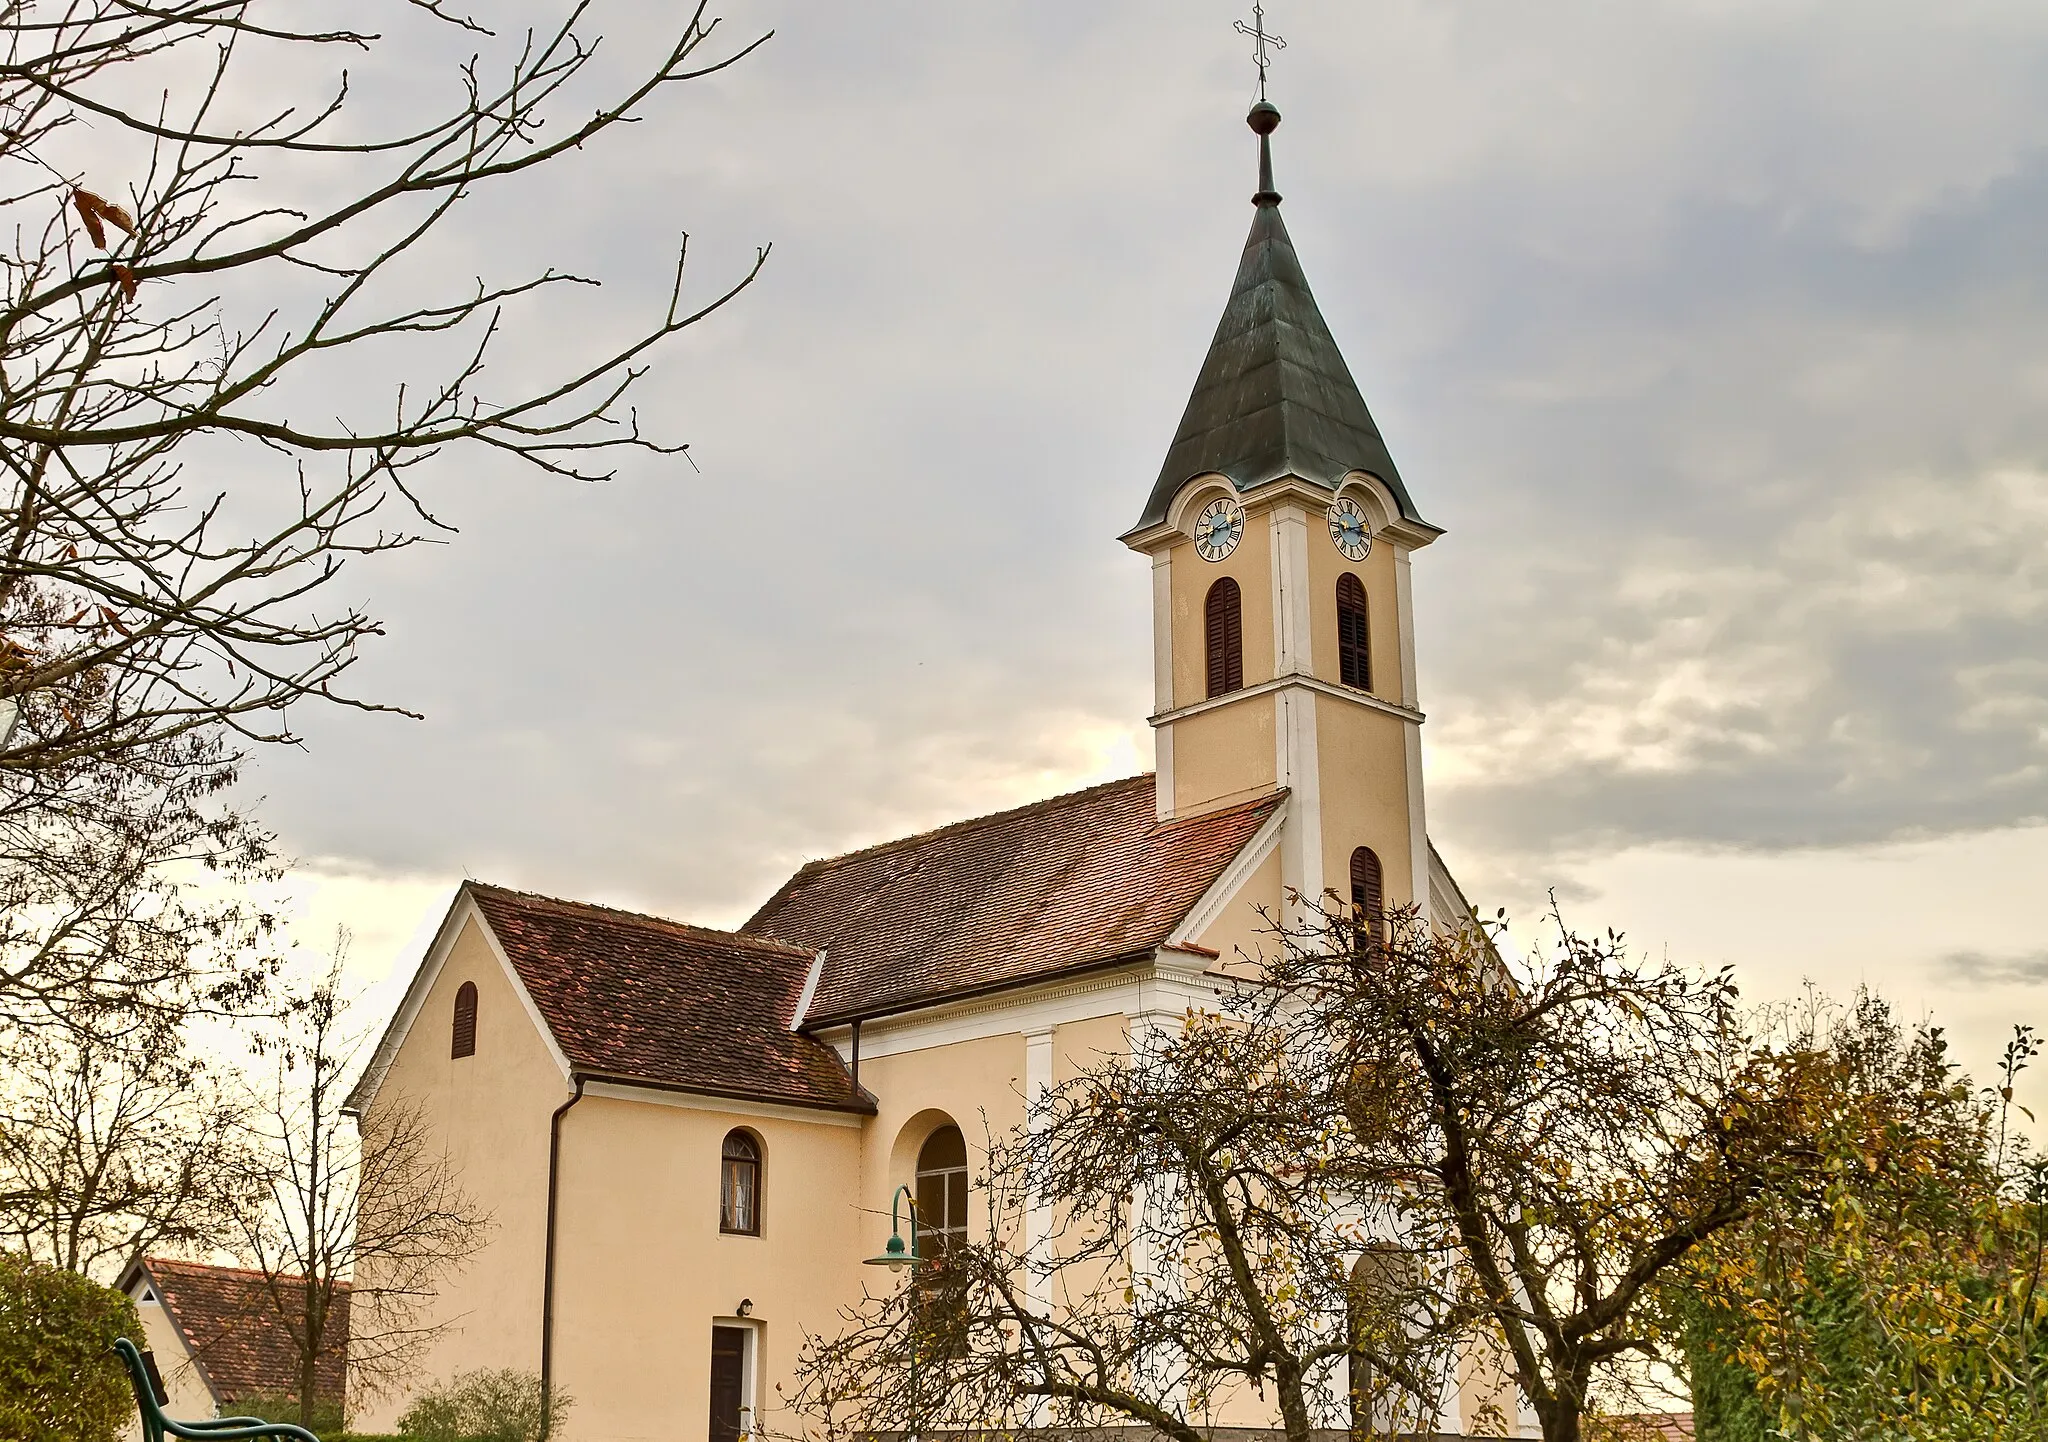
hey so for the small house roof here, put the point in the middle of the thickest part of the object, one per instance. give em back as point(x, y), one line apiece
point(235, 1332)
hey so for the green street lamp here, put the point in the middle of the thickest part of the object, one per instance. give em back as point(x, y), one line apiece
point(895, 1257)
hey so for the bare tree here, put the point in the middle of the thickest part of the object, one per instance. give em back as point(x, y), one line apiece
point(230, 340)
point(1199, 1247)
point(170, 286)
point(129, 892)
point(1391, 1147)
point(373, 1215)
point(111, 1147)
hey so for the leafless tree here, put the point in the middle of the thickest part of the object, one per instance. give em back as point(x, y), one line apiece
point(1390, 1147)
point(111, 1147)
point(199, 281)
point(374, 1213)
point(197, 265)
point(1196, 1247)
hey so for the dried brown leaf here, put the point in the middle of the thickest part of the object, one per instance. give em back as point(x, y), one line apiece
point(88, 207)
point(127, 279)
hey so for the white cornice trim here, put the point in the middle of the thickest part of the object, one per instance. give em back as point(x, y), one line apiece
point(1279, 683)
point(1203, 914)
point(1398, 530)
point(1021, 1009)
point(725, 1106)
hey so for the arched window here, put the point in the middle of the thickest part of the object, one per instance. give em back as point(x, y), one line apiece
point(1354, 644)
point(739, 1187)
point(462, 1036)
point(1223, 618)
point(941, 1227)
point(1368, 897)
point(942, 1193)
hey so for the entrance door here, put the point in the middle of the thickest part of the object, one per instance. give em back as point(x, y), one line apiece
point(728, 1382)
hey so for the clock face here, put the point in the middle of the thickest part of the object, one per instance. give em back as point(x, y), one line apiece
point(1218, 529)
point(1350, 529)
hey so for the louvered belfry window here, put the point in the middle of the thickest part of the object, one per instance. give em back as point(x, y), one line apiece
point(1223, 618)
point(462, 1042)
point(1368, 897)
point(1354, 643)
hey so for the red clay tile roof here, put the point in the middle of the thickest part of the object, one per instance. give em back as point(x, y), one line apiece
point(643, 999)
point(227, 1318)
point(1056, 886)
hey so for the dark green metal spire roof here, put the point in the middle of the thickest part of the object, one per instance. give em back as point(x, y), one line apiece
point(1274, 396)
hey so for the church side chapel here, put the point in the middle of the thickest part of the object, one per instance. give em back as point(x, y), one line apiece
point(689, 1140)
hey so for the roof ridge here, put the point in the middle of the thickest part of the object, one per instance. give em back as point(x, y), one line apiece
point(529, 898)
point(213, 1267)
point(953, 828)
point(1273, 797)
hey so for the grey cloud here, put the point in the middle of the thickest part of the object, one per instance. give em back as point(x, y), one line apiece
point(1720, 361)
point(1977, 968)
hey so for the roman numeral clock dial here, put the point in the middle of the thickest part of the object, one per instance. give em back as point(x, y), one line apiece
point(1350, 530)
point(1219, 528)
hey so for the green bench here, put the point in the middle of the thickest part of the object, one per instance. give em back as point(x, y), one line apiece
point(150, 1398)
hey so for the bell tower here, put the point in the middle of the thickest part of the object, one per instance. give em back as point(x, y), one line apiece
point(1280, 533)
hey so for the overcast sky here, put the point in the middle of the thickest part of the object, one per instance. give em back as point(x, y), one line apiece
point(1715, 334)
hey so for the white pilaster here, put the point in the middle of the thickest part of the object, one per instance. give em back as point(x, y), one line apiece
point(1297, 765)
point(1162, 682)
point(1288, 528)
point(1037, 1209)
point(1418, 821)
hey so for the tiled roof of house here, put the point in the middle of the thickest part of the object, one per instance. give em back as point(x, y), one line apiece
point(642, 999)
point(1056, 886)
point(235, 1331)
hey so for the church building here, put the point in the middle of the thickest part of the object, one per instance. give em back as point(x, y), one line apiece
point(688, 1140)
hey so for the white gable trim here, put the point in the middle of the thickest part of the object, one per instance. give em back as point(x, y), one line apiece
point(803, 1003)
point(462, 911)
point(1223, 890)
point(730, 1106)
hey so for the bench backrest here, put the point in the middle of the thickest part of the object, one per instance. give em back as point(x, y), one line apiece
point(150, 1398)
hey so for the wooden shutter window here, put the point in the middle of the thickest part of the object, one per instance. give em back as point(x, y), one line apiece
point(1368, 897)
point(1354, 640)
point(463, 1041)
point(1223, 619)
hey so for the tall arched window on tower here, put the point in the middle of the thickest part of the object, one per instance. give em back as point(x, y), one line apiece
point(739, 1189)
point(1354, 643)
point(462, 1037)
point(941, 1228)
point(1223, 619)
point(1368, 898)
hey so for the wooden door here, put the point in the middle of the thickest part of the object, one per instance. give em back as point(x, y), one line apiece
point(728, 1382)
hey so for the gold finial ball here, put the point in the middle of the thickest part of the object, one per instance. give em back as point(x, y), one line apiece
point(1264, 117)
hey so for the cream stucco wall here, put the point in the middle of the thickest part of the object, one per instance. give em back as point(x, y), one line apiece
point(190, 1397)
point(491, 1112)
point(1364, 774)
point(643, 1272)
point(1251, 566)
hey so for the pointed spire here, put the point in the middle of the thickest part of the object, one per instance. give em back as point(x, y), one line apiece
point(1274, 397)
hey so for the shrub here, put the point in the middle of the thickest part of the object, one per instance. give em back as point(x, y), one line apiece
point(498, 1405)
point(60, 1380)
point(326, 1411)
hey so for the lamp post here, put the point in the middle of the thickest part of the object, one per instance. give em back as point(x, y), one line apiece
point(895, 1258)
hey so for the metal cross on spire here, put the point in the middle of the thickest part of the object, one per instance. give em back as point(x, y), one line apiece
point(1260, 40)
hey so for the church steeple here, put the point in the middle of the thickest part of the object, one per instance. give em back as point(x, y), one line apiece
point(1273, 397)
point(1280, 532)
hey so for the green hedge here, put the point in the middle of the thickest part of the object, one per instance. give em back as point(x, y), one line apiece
point(60, 1380)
